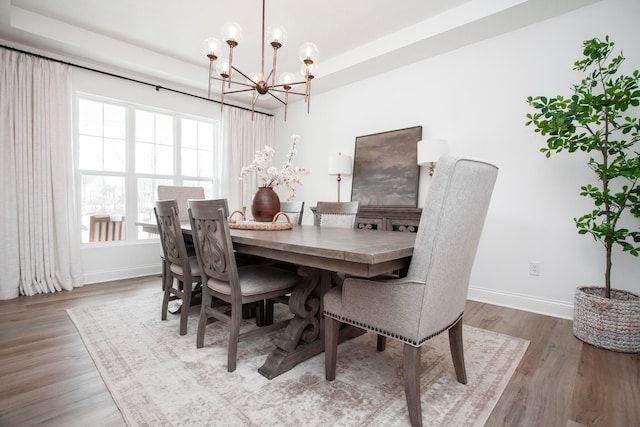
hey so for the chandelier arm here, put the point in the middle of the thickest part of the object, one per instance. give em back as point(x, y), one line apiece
point(243, 75)
point(239, 91)
point(286, 91)
point(302, 82)
point(270, 76)
point(233, 82)
point(281, 101)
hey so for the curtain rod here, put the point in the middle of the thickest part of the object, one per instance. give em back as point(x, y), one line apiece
point(158, 87)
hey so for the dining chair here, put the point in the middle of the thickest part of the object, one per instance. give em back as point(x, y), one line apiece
point(180, 193)
point(178, 266)
point(294, 210)
point(106, 228)
point(336, 214)
point(431, 298)
point(225, 281)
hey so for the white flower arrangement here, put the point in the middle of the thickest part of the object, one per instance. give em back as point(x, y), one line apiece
point(270, 176)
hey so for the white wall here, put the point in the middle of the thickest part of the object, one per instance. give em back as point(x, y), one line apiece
point(474, 97)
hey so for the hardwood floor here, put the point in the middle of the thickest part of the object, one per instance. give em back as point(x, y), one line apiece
point(48, 378)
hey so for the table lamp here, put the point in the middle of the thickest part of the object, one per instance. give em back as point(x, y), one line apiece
point(340, 165)
point(430, 150)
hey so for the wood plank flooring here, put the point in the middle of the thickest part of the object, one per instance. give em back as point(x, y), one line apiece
point(48, 378)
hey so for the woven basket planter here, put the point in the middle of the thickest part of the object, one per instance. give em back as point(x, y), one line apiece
point(610, 323)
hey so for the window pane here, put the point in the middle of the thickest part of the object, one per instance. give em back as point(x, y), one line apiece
point(209, 193)
point(89, 117)
point(201, 163)
point(114, 121)
point(189, 161)
point(145, 127)
point(114, 155)
point(164, 129)
point(164, 160)
point(205, 135)
point(189, 133)
point(90, 152)
point(101, 195)
point(144, 158)
point(205, 164)
point(147, 195)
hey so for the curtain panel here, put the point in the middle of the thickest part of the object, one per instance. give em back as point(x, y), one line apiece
point(40, 237)
point(242, 137)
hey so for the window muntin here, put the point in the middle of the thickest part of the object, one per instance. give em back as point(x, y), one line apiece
point(125, 151)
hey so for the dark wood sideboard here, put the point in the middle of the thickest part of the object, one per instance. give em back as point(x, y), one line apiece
point(404, 219)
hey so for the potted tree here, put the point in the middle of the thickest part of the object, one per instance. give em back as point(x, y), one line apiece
point(601, 118)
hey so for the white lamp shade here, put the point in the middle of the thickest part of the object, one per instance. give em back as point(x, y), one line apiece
point(430, 150)
point(340, 165)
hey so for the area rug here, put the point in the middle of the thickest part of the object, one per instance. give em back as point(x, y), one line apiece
point(159, 378)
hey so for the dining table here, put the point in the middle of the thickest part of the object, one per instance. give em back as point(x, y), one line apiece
point(318, 253)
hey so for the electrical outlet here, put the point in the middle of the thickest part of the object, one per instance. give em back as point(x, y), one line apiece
point(534, 268)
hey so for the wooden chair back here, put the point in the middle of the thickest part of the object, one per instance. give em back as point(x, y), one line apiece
point(294, 210)
point(105, 228)
point(336, 214)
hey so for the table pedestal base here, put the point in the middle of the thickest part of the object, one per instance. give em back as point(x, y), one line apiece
point(304, 336)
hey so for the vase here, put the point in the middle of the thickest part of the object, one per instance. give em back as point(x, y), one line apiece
point(610, 323)
point(265, 204)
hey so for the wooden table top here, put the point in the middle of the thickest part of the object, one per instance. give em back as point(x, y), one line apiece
point(348, 250)
point(359, 252)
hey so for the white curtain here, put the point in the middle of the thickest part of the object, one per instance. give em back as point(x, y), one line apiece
point(242, 136)
point(40, 249)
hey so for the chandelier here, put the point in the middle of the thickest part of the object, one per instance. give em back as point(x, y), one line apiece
point(257, 82)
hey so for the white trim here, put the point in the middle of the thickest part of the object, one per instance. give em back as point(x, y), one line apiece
point(529, 303)
point(122, 273)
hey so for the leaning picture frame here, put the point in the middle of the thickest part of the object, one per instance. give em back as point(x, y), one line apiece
point(385, 168)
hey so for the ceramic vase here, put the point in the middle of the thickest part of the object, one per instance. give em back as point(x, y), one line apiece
point(265, 204)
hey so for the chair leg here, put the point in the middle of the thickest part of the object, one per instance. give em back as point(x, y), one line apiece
point(268, 312)
point(457, 351)
point(234, 333)
point(167, 294)
point(411, 367)
point(186, 304)
point(260, 314)
point(331, 330)
point(202, 321)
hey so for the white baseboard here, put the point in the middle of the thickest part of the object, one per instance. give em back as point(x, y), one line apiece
point(544, 306)
point(122, 273)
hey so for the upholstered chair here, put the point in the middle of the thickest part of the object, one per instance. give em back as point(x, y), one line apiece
point(431, 298)
point(180, 193)
point(336, 214)
point(177, 264)
point(224, 281)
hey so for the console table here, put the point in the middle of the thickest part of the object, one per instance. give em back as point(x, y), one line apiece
point(404, 219)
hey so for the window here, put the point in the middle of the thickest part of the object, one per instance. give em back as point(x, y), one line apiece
point(125, 151)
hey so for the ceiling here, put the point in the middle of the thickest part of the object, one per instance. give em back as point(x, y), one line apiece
point(160, 41)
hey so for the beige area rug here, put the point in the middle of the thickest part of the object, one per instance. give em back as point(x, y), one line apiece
point(158, 378)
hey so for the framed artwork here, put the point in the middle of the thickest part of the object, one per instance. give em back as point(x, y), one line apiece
point(385, 168)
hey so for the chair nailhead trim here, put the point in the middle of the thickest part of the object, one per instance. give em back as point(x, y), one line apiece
point(387, 333)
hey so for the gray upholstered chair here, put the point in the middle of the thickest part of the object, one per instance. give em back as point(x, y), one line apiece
point(177, 264)
point(431, 298)
point(294, 210)
point(225, 281)
point(336, 214)
point(180, 193)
